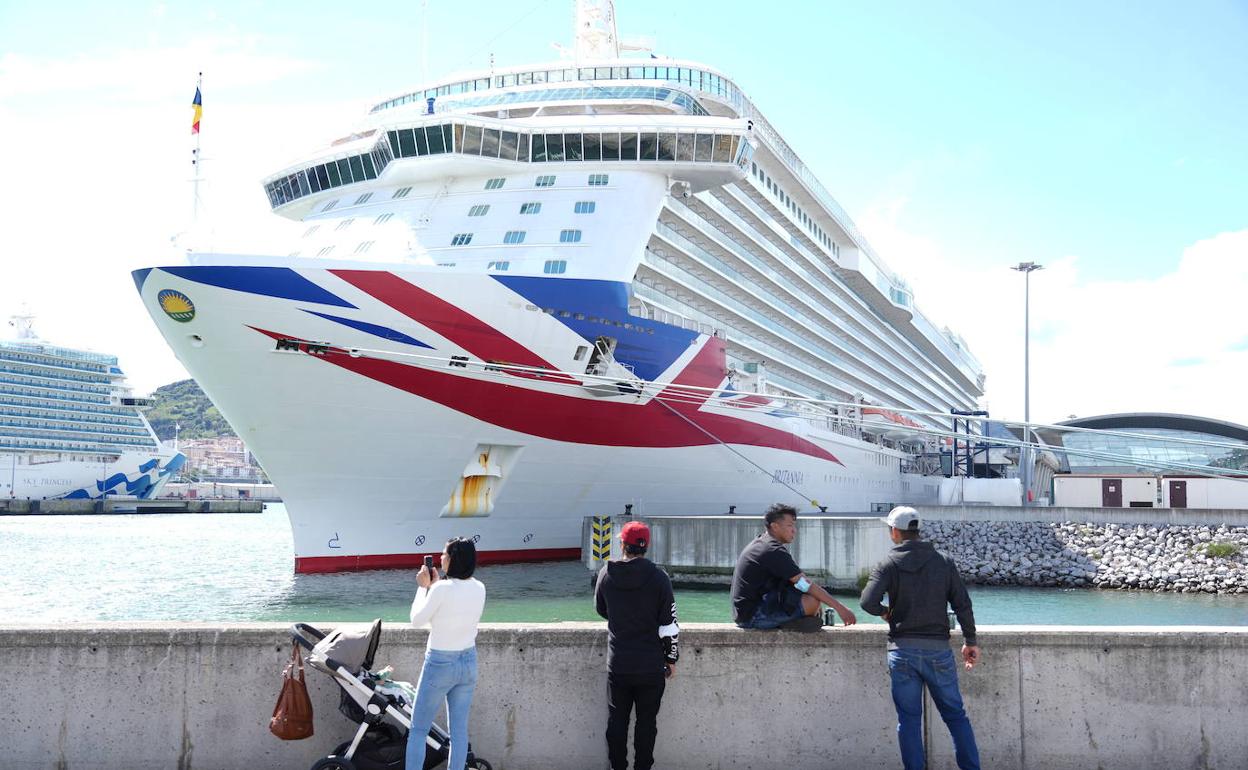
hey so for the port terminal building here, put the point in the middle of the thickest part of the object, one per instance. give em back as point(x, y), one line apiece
point(1104, 467)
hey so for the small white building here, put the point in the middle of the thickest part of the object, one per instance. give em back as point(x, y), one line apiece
point(1148, 491)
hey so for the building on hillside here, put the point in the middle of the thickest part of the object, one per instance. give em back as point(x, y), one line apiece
point(224, 458)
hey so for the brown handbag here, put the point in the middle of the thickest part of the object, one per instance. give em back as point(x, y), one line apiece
point(292, 716)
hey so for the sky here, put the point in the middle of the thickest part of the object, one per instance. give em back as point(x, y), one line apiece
point(1103, 140)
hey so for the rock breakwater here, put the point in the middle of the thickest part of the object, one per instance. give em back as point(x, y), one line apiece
point(1182, 559)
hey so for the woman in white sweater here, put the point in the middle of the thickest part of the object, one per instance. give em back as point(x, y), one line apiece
point(451, 607)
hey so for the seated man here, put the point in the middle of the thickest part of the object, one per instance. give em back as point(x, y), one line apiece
point(768, 588)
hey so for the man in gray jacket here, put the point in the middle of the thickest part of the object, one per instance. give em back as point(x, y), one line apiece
point(921, 583)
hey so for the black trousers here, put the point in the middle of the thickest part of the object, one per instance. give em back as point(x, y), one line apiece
point(624, 691)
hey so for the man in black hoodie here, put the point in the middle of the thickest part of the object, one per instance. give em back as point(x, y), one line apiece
point(921, 583)
point(636, 598)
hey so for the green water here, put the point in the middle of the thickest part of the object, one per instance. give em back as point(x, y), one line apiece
point(239, 568)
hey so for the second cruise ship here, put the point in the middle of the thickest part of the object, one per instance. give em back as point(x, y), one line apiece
point(533, 294)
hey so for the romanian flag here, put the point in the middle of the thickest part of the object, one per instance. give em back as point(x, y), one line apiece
point(198, 104)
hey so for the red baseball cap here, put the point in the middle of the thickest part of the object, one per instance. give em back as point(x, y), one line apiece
point(635, 533)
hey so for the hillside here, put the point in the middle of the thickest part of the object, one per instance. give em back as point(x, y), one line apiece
point(184, 403)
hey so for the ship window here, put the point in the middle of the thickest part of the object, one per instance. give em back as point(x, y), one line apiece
point(705, 143)
point(555, 266)
point(501, 265)
point(401, 192)
point(363, 198)
point(330, 205)
point(554, 147)
point(437, 143)
point(357, 173)
point(667, 147)
point(508, 142)
point(325, 251)
point(383, 218)
point(461, 239)
point(545, 181)
point(649, 145)
point(344, 224)
point(495, 184)
point(581, 350)
point(593, 147)
point(479, 210)
point(524, 147)
point(407, 143)
point(628, 147)
point(471, 144)
point(311, 230)
point(598, 180)
point(572, 147)
point(723, 148)
point(684, 147)
point(585, 207)
point(344, 171)
point(489, 143)
point(610, 146)
point(422, 144)
point(539, 148)
point(514, 236)
point(569, 236)
point(363, 247)
point(530, 208)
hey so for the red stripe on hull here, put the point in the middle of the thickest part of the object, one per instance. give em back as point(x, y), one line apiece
point(585, 420)
point(314, 564)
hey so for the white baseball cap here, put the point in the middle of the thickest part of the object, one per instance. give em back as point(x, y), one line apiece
point(902, 517)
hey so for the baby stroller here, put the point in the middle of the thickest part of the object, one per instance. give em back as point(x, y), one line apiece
point(382, 710)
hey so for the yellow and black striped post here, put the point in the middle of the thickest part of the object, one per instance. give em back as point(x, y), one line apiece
point(600, 538)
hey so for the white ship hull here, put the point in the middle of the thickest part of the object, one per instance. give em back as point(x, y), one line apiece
point(140, 475)
point(381, 458)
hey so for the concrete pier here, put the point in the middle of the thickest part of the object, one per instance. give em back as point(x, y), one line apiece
point(14, 507)
point(838, 551)
point(140, 696)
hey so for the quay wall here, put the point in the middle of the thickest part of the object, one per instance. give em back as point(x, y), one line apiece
point(188, 696)
point(1157, 517)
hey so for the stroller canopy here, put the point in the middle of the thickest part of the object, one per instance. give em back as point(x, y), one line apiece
point(353, 649)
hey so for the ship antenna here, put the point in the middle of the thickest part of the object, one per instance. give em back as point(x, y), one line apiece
point(594, 33)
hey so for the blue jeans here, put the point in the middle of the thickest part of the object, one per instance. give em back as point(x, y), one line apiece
point(449, 675)
point(776, 608)
point(910, 670)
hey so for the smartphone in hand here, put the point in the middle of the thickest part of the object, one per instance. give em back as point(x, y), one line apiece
point(433, 573)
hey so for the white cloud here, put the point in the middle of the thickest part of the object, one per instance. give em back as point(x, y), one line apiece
point(101, 146)
point(1170, 343)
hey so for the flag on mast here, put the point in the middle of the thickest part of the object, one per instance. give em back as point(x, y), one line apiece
point(198, 104)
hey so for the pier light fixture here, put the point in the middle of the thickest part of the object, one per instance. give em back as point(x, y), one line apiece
point(1027, 268)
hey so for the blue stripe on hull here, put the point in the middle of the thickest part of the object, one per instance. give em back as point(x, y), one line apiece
point(280, 282)
point(649, 355)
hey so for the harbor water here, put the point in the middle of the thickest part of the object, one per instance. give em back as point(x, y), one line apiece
point(239, 567)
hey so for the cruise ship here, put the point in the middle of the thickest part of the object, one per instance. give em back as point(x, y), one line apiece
point(70, 427)
point(533, 294)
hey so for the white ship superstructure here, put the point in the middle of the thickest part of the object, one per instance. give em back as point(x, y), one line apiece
point(70, 427)
point(539, 293)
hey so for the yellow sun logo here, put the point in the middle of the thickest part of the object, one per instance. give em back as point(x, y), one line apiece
point(176, 305)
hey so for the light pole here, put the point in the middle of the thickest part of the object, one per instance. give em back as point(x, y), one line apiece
point(1027, 268)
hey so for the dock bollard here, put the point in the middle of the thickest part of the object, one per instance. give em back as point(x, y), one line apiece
point(599, 542)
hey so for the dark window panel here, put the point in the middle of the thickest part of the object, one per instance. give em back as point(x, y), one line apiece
point(684, 147)
point(422, 142)
point(593, 147)
point(554, 147)
point(407, 144)
point(539, 148)
point(393, 136)
point(723, 148)
point(649, 145)
point(471, 139)
point(344, 171)
point(523, 153)
point(628, 146)
point(704, 146)
point(610, 146)
point(436, 144)
point(489, 143)
point(357, 168)
point(572, 147)
point(446, 137)
point(322, 176)
point(369, 171)
point(508, 142)
point(667, 147)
